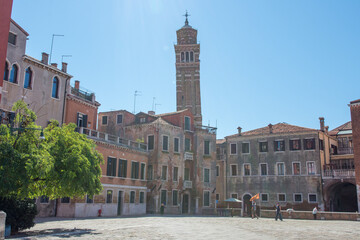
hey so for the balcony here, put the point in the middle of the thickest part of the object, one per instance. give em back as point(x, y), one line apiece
point(104, 137)
point(339, 173)
point(187, 184)
point(208, 129)
point(189, 156)
point(342, 151)
point(86, 95)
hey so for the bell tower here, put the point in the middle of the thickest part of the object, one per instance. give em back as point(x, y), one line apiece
point(187, 52)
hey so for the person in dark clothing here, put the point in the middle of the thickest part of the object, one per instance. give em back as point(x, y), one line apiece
point(162, 208)
point(278, 212)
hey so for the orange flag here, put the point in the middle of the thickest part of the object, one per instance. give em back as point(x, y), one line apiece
point(257, 196)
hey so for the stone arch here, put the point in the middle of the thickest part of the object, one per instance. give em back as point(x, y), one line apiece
point(341, 197)
point(246, 205)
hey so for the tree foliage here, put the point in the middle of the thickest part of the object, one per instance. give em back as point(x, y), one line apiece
point(64, 164)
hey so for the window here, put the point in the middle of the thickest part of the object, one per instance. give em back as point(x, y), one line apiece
point(247, 169)
point(175, 174)
point(312, 198)
point(311, 168)
point(279, 145)
point(89, 199)
point(65, 200)
point(104, 120)
point(187, 56)
point(187, 144)
point(111, 167)
point(295, 145)
point(13, 74)
point(206, 147)
point(309, 144)
point(280, 168)
point(164, 173)
point(281, 197)
point(81, 120)
point(109, 195)
point(217, 197)
point(142, 197)
point(6, 72)
point(191, 56)
point(233, 169)
point(44, 199)
point(163, 196)
point(55, 88)
point(176, 145)
point(217, 171)
point(150, 172)
point(264, 197)
point(135, 170)
point(187, 123)
point(206, 198)
point(132, 196)
point(233, 149)
point(321, 144)
point(142, 120)
point(187, 174)
point(263, 169)
point(142, 172)
point(234, 195)
point(122, 168)
point(263, 146)
point(151, 142)
point(206, 175)
point(296, 168)
point(12, 38)
point(165, 143)
point(175, 198)
point(119, 119)
point(245, 147)
point(182, 57)
point(297, 197)
point(28, 78)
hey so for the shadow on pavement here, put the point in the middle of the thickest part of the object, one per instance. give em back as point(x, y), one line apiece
point(59, 232)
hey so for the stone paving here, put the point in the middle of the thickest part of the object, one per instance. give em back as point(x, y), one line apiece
point(189, 227)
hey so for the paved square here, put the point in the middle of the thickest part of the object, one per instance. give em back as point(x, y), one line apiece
point(188, 227)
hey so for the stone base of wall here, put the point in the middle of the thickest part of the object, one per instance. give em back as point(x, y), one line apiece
point(2, 224)
point(308, 215)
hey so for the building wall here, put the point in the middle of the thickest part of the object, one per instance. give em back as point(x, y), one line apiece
point(355, 120)
point(112, 127)
point(274, 184)
point(76, 105)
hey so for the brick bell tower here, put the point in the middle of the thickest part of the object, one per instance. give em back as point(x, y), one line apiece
point(187, 52)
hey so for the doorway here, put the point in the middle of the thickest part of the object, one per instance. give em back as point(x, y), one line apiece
point(185, 203)
point(119, 203)
point(247, 205)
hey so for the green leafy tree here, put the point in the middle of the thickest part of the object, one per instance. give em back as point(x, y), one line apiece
point(65, 164)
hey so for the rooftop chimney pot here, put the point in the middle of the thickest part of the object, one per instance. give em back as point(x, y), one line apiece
point(239, 131)
point(64, 67)
point(322, 124)
point(77, 84)
point(270, 128)
point(44, 58)
point(54, 64)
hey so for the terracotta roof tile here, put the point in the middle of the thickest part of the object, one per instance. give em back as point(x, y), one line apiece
point(345, 126)
point(277, 128)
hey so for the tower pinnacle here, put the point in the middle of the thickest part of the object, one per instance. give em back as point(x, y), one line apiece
point(186, 15)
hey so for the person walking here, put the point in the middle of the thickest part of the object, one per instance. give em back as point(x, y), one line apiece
point(314, 212)
point(253, 210)
point(278, 212)
point(162, 208)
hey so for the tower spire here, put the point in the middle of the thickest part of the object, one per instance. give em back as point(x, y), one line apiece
point(186, 18)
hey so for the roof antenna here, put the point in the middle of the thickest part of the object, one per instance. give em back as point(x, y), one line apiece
point(137, 93)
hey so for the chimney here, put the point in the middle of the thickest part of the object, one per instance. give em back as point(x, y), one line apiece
point(54, 65)
point(64, 67)
point(239, 131)
point(44, 58)
point(270, 128)
point(327, 129)
point(77, 84)
point(322, 124)
point(151, 112)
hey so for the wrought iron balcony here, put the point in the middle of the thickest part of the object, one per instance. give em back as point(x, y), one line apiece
point(82, 94)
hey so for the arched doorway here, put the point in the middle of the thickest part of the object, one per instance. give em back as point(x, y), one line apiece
point(246, 205)
point(343, 198)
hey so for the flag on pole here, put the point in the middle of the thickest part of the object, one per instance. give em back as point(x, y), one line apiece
point(257, 196)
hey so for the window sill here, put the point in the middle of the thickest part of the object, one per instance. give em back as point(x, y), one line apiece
point(163, 151)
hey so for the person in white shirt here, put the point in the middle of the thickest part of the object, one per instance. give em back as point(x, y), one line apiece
point(314, 212)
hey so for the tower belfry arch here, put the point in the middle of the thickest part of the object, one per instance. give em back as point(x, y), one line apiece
point(187, 53)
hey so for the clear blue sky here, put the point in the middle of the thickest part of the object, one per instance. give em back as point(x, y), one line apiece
point(261, 61)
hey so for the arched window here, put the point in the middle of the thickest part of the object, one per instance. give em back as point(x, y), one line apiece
point(187, 56)
point(55, 88)
point(182, 57)
point(28, 78)
point(13, 74)
point(191, 56)
point(6, 72)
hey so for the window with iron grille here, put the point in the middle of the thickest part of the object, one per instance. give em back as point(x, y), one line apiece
point(295, 144)
point(297, 197)
point(281, 197)
point(109, 195)
point(312, 198)
point(264, 197)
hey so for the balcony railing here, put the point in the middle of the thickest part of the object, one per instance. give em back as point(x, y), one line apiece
point(189, 156)
point(209, 129)
point(339, 173)
point(81, 93)
point(187, 184)
point(342, 151)
point(96, 135)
